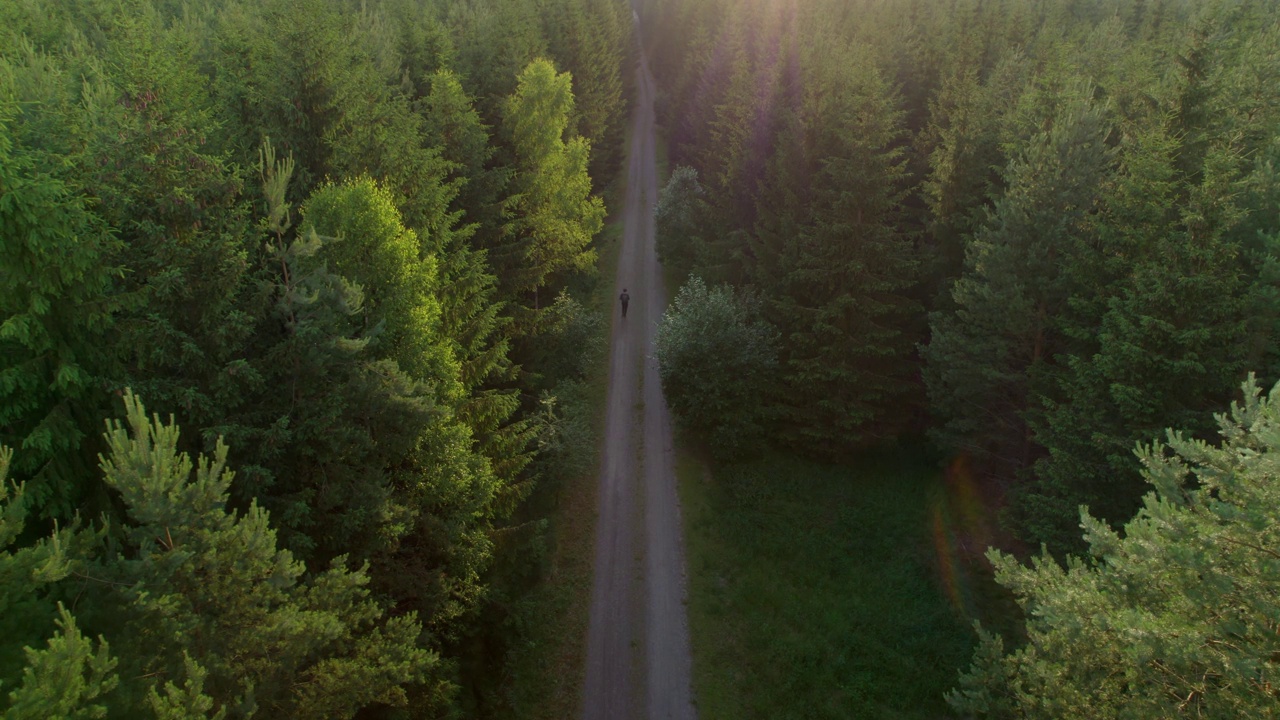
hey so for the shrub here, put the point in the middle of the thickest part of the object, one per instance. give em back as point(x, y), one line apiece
point(716, 357)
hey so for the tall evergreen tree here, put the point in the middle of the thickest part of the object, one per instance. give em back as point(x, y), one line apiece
point(1169, 342)
point(983, 361)
point(57, 315)
point(471, 314)
point(1172, 618)
point(835, 268)
point(451, 123)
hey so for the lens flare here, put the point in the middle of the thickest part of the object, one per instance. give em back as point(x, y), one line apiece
point(962, 525)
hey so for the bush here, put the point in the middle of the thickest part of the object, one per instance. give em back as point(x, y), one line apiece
point(716, 358)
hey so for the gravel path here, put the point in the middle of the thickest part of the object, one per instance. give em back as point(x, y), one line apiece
point(638, 659)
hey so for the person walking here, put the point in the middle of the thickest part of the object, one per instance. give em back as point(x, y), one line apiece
point(624, 298)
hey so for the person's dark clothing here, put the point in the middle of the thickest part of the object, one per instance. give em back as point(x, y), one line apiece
point(625, 298)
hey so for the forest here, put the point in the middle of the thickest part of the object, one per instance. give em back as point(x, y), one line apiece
point(290, 334)
point(298, 334)
point(1030, 237)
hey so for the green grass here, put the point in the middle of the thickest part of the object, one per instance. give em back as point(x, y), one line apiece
point(816, 590)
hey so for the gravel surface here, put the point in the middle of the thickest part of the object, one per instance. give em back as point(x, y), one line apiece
point(638, 658)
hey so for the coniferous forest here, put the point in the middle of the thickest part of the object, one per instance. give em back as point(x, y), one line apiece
point(297, 334)
point(1028, 235)
point(312, 261)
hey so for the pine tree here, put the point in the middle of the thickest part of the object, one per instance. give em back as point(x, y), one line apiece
point(64, 679)
point(1174, 617)
point(27, 612)
point(204, 595)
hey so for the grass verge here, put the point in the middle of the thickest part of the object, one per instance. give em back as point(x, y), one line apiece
point(821, 591)
point(545, 674)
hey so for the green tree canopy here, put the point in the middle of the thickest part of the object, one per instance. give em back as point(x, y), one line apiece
point(207, 612)
point(553, 215)
point(1174, 617)
point(717, 359)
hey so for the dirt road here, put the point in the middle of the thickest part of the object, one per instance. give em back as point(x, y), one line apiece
point(638, 660)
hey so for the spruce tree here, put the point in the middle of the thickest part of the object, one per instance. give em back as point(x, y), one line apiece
point(1167, 346)
point(588, 38)
point(56, 315)
point(835, 268)
point(451, 123)
point(471, 313)
point(965, 155)
point(175, 202)
point(1180, 305)
point(983, 360)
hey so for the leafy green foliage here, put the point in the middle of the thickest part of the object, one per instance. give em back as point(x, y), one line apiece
point(357, 355)
point(1172, 618)
point(372, 248)
point(717, 359)
point(56, 313)
point(553, 215)
point(192, 583)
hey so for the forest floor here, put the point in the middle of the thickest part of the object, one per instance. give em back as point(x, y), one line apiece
point(638, 657)
point(832, 591)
